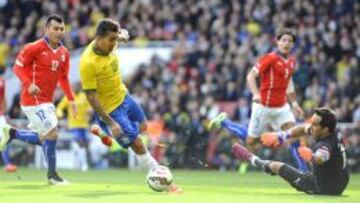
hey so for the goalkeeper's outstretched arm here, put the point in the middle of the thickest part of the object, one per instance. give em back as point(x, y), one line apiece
point(275, 139)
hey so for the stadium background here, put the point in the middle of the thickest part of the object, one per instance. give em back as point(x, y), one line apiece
point(200, 52)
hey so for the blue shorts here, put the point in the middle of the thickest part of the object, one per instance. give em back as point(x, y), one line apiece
point(79, 134)
point(128, 115)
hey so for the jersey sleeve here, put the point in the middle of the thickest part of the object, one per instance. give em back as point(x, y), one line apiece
point(263, 64)
point(23, 63)
point(324, 149)
point(64, 80)
point(87, 76)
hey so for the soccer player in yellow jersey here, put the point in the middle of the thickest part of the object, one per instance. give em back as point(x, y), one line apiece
point(117, 112)
point(79, 125)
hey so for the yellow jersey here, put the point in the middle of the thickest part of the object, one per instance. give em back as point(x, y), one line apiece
point(84, 111)
point(101, 73)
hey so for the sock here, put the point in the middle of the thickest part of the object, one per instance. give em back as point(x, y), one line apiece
point(49, 147)
point(301, 164)
point(6, 156)
point(82, 159)
point(146, 161)
point(257, 162)
point(235, 129)
point(26, 136)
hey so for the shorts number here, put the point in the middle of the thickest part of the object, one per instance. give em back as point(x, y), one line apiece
point(41, 115)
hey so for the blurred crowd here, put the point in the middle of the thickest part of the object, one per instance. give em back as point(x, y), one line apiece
point(218, 41)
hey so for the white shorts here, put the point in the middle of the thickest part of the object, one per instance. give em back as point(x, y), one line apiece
point(266, 118)
point(42, 118)
point(2, 120)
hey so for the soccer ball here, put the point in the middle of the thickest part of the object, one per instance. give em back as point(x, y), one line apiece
point(159, 178)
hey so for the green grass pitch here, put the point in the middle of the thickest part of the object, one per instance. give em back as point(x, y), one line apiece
point(125, 186)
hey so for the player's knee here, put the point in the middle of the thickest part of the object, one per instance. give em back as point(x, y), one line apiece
point(138, 147)
point(275, 166)
point(53, 134)
point(250, 141)
point(143, 127)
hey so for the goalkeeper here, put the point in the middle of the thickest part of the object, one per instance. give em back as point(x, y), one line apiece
point(330, 175)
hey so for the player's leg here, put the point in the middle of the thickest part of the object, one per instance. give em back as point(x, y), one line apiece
point(43, 121)
point(137, 124)
point(222, 121)
point(82, 142)
point(8, 133)
point(259, 121)
point(8, 166)
point(301, 181)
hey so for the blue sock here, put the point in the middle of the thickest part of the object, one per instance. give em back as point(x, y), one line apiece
point(6, 156)
point(235, 129)
point(49, 147)
point(27, 136)
point(301, 164)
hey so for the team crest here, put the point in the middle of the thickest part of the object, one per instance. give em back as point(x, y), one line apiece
point(63, 58)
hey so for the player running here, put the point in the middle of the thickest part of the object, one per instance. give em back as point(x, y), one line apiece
point(78, 126)
point(8, 165)
point(330, 175)
point(40, 66)
point(117, 112)
point(270, 105)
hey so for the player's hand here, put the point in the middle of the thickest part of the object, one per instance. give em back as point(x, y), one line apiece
point(115, 128)
point(270, 139)
point(74, 109)
point(124, 35)
point(305, 153)
point(33, 89)
point(298, 111)
point(256, 98)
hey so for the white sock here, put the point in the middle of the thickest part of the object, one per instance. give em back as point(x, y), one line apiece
point(83, 159)
point(252, 161)
point(146, 161)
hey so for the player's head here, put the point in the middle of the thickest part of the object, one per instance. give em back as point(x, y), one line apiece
point(107, 35)
point(54, 28)
point(323, 122)
point(285, 39)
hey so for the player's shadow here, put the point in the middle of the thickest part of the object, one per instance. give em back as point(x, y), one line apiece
point(28, 187)
point(99, 194)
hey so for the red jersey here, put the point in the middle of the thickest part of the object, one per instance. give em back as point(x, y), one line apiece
point(2, 96)
point(275, 73)
point(38, 63)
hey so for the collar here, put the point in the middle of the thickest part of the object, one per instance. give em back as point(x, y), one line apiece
point(277, 52)
point(47, 41)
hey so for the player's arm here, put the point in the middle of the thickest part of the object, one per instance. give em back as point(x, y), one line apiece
point(63, 104)
point(290, 91)
point(23, 65)
point(64, 80)
point(275, 139)
point(92, 97)
point(320, 156)
point(251, 81)
point(261, 66)
point(66, 87)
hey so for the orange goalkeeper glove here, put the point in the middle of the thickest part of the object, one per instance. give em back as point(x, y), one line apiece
point(305, 153)
point(270, 139)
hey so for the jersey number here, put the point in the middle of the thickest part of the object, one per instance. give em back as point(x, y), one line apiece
point(343, 153)
point(54, 65)
point(41, 115)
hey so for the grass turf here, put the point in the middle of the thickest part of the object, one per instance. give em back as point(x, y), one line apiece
point(125, 186)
